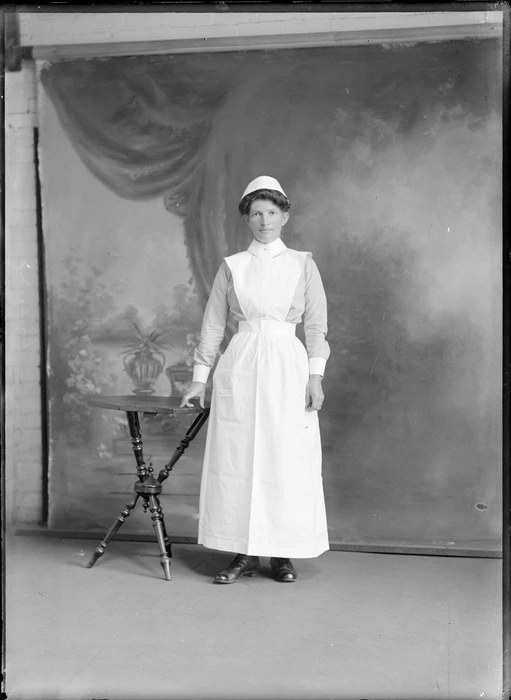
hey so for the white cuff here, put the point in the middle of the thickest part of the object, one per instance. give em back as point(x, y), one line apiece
point(201, 373)
point(317, 365)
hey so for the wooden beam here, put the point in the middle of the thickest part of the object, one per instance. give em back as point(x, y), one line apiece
point(400, 35)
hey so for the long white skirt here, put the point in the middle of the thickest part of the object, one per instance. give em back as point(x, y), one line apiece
point(262, 488)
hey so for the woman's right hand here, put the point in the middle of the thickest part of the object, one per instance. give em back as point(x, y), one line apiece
point(195, 390)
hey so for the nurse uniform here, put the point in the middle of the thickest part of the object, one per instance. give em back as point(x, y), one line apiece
point(261, 488)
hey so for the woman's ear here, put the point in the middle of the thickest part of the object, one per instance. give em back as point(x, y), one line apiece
point(286, 218)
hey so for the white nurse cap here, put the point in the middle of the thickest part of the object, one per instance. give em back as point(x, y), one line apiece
point(263, 182)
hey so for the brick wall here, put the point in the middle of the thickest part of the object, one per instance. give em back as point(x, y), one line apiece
point(23, 400)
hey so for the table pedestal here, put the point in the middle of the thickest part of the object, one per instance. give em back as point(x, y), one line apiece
point(147, 487)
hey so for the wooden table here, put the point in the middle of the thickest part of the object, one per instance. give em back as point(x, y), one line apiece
point(146, 485)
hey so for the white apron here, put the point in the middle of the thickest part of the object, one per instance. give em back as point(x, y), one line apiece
point(262, 489)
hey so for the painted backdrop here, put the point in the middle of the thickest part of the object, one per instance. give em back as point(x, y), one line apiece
point(391, 157)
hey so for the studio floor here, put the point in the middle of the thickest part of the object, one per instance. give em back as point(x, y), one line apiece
point(354, 625)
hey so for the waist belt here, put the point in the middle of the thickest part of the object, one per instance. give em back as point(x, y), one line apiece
point(266, 326)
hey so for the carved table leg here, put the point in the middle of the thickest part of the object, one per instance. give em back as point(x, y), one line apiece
point(117, 524)
point(179, 451)
point(168, 545)
point(159, 528)
point(136, 443)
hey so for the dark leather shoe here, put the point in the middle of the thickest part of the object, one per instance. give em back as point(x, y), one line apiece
point(283, 570)
point(241, 565)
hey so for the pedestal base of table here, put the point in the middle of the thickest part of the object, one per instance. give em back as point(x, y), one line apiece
point(151, 503)
point(147, 487)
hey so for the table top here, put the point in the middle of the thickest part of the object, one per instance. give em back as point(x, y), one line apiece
point(145, 403)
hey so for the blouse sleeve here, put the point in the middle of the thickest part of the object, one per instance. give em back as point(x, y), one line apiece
point(213, 326)
point(315, 319)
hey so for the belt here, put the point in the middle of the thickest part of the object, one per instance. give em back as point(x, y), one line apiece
point(267, 327)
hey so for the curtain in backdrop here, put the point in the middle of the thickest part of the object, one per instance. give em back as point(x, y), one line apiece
point(196, 128)
point(142, 126)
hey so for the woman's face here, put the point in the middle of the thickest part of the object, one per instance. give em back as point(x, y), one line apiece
point(265, 219)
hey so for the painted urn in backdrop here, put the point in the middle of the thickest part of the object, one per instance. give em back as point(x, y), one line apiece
point(144, 360)
point(180, 374)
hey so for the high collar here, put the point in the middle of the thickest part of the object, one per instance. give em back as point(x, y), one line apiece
point(267, 250)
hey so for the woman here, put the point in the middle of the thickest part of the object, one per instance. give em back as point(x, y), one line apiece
point(261, 490)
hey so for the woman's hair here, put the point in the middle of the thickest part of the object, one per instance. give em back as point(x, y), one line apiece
point(270, 195)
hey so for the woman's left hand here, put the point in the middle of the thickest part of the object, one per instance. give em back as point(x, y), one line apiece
point(314, 395)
